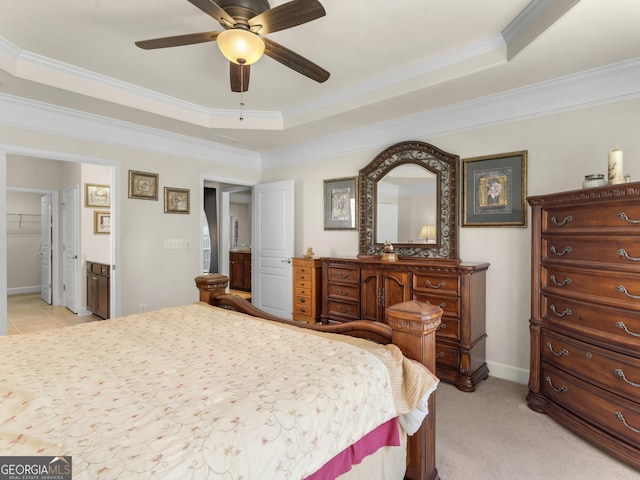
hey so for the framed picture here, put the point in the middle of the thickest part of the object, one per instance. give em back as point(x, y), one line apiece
point(143, 185)
point(97, 195)
point(495, 190)
point(176, 200)
point(101, 222)
point(341, 203)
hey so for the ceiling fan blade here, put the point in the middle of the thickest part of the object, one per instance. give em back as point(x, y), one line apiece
point(286, 16)
point(294, 61)
point(212, 9)
point(178, 40)
point(239, 75)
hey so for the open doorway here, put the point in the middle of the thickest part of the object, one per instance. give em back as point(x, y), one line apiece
point(226, 226)
point(40, 176)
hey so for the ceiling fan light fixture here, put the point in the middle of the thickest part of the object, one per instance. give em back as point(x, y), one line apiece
point(240, 46)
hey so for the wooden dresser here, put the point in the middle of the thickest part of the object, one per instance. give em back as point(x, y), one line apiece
point(307, 277)
point(98, 289)
point(240, 270)
point(585, 314)
point(360, 288)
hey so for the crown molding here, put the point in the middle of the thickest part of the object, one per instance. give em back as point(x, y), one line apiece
point(45, 118)
point(608, 84)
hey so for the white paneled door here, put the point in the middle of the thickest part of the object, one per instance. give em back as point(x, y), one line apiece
point(273, 247)
point(46, 229)
point(70, 247)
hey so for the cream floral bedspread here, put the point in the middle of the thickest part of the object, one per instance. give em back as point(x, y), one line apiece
point(195, 392)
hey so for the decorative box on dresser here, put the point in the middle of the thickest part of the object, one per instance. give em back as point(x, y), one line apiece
point(585, 314)
point(307, 276)
point(363, 288)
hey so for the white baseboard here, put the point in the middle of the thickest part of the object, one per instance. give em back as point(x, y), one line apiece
point(508, 372)
point(19, 290)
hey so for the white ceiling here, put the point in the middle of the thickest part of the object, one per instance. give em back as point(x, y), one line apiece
point(387, 60)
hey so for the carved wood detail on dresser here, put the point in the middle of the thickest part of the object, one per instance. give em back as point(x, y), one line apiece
point(585, 314)
point(363, 288)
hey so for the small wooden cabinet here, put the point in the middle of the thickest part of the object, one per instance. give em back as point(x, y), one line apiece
point(98, 289)
point(359, 288)
point(240, 271)
point(585, 314)
point(307, 280)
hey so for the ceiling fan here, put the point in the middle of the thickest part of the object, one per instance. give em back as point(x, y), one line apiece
point(244, 23)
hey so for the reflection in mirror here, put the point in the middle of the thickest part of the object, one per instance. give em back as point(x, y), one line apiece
point(406, 206)
point(418, 217)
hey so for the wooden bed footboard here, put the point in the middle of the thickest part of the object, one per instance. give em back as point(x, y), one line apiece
point(411, 327)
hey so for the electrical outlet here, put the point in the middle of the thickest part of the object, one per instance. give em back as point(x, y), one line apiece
point(187, 244)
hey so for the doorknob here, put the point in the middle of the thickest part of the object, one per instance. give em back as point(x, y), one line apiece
point(288, 260)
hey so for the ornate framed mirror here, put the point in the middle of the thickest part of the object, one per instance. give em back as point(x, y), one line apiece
point(407, 196)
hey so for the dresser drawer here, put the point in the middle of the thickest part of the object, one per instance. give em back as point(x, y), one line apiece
point(608, 287)
point(304, 291)
point(603, 325)
point(617, 373)
point(449, 328)
point(447, 355)
point(349, 275)
point(303, 309)
point(621, 215)
point(433, 283)
point(616, 251)
point(343, 310)
point(450, 305)
point(616, 415)
point(343, 292)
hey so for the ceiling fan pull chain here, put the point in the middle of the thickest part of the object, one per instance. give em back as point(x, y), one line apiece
point(241, 91)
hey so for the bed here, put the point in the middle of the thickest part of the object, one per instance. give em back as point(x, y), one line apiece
point(167, 394)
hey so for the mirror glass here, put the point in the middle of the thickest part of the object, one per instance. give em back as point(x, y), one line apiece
point(407, 196)
point(406, 206)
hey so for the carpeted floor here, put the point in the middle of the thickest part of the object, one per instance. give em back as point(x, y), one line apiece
point(491, 434)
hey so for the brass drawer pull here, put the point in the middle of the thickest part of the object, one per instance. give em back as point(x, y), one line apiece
point(622, 253)
point(562, 389)
point(344, 293)
point(442, 305)
point(562, 353)
point(620, 417)
point(431, 285)
point(302, 310)
point(566, 281)
point(342, 276)
point(441, 326)
point(343, 310)
point(622, 326)
point(440, 355)
point(620, 373)
point(564, 313)
point(623, 216)
point(564, 221)
point(564, 251)
point(302, 300)
point(622, 289)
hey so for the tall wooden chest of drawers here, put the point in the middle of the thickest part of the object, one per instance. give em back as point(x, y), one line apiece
point(585, 314)
point(357, 288)
point(307, 275)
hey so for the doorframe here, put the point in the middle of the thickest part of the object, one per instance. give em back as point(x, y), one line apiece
point(116, 275)
point(55, 255)
point(223, 227)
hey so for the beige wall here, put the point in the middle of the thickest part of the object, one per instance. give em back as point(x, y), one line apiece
point(562, 149)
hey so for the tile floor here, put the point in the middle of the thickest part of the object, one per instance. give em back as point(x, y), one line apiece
point(27, 313)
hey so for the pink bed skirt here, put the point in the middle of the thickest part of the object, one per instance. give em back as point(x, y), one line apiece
point(386, 435)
